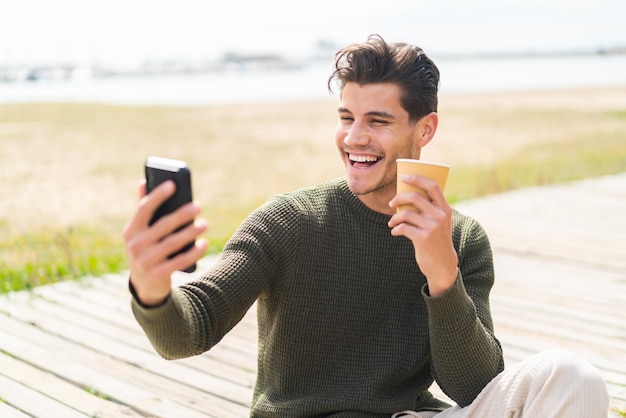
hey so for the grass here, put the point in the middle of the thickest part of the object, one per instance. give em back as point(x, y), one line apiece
point(69, 170)
point(35, 259)
point(541, 164)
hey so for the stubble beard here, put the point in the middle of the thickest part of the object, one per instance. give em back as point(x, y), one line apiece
point(365, 189)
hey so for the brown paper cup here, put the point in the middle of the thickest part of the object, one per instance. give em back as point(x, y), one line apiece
point(429, 169)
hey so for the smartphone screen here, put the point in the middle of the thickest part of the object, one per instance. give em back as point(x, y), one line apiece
point(158, 170)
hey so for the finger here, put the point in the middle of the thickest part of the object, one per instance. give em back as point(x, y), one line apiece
point(186, 259)
point(141, 186)
point(148, 246)
point(172, 222)
point(150, 202)
point(404, 230)
point(176, 241)
point(427, 185)
point(433, 192)
point(160, 274)
point(157, 257)
point(147, 206)
point(407, 223)
point(141, 192)
point(414, 199)
point(429, 191)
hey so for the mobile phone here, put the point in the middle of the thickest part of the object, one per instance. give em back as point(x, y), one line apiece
point(158, 170)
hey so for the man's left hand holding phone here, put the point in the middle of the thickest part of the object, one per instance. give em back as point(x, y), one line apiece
point(163, 235)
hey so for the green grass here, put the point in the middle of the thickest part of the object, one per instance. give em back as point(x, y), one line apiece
point(48, 257)
point(540, 165)
point(581, 144)
point(97, 393)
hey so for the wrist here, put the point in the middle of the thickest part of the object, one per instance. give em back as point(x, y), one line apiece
point(442, 283)
point(144, 301)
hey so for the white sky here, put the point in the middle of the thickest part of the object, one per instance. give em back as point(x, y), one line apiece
point(128, 32)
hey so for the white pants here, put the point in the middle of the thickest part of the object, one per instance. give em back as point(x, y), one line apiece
point(551, 384)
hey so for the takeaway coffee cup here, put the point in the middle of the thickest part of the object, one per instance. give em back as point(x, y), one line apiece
point(429, 169)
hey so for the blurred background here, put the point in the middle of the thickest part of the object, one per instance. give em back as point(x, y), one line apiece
point(198, 52)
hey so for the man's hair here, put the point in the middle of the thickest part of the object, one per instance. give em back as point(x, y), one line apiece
point(376, 61)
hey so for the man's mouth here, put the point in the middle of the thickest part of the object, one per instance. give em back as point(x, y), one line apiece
point(362, 161)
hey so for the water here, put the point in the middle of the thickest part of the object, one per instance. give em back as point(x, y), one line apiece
point(309, 83)
point(533, 73)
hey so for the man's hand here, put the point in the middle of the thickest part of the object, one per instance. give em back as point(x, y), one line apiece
point(148, 247)
point(430, 231)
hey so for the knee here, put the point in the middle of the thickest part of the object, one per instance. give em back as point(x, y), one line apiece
point(555, 383)
point(567, 363)
point(571, 371)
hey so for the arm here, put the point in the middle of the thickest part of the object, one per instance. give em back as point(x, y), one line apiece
point(197, 315)
point(465, 353)
point(454, 254)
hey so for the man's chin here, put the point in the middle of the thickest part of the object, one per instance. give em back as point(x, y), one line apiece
point(356, 188)
point(360, 188)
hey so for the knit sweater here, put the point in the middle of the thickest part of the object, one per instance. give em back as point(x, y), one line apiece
point(345, 323)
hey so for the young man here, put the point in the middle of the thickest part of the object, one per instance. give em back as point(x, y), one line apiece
point(360, 308)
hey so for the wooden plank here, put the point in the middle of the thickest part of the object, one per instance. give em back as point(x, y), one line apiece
point(63, 321)
point(7, 411)
point(90, 347)
point(32, 402)
point(578, 221)
point(88, 303)
point(147, 392)
point(35, 381)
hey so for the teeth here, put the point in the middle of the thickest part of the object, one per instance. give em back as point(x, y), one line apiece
point(363, 158)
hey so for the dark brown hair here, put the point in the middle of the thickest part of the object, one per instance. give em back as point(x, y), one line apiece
point(405, 65)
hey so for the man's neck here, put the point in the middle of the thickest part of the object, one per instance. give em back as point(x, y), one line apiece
point(378, 201)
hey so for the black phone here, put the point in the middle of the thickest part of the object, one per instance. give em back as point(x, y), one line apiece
point(158, 170)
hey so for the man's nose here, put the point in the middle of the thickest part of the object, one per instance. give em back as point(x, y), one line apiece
point(356, 135)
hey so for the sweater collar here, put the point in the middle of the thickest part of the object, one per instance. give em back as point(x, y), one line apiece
point(358, 207)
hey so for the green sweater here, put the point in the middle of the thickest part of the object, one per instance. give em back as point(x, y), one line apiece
point(346, 326)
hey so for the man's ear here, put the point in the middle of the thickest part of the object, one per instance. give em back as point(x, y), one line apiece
point(426, 128)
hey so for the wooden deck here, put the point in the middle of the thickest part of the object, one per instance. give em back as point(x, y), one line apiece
point(73, 349)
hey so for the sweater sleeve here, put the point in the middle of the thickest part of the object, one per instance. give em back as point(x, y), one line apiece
point(466, 355)
point(198, 314)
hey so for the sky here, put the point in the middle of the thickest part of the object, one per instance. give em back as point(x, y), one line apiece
point(127, 33)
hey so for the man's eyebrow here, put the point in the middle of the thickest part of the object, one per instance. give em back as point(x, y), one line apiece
point(381, 114)
point(377, 113)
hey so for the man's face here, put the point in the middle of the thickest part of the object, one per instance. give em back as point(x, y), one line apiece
point(373, 131)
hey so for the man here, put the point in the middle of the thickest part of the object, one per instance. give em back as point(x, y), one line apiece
point(360, 308)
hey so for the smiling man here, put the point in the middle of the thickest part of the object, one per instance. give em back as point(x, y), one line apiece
point(360, 308)
point(373, 132)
